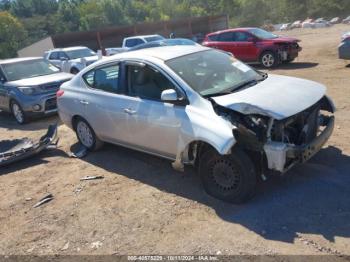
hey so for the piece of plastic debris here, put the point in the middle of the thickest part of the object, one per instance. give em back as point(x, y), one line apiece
point(44, 200)
point(15, 150)
point(66, 246)
point(80, 152)
point(91, 177)
point(29, 199)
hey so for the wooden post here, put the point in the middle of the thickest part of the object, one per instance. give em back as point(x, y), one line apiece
point(99, 42)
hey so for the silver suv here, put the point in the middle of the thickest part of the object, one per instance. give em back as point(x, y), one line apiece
point(202, 107)
point(28, 87)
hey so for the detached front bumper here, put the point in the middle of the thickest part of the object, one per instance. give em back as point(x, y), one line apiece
point(282, 156)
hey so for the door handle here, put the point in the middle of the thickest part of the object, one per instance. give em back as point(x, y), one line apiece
point(129, 111)
point(84, 102)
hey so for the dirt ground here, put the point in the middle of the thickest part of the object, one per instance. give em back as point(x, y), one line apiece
point(143, 206)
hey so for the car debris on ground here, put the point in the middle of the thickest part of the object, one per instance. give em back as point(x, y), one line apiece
point(44, 200)
point(81, 152)
point(15, 150)
point(91, 177)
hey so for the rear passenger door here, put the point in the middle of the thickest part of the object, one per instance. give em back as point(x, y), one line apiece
point(226, 42)
point(103, 103)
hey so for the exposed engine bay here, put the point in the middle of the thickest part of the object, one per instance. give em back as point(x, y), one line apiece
point(283, 143)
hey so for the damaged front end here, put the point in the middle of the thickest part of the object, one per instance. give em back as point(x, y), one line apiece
point(280, 144)
point(15, 150)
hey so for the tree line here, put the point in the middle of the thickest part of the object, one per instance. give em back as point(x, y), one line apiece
point(23, 22)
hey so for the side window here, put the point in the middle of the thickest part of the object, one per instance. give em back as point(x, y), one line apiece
point(146, 82)
point(213, 37)
point(54, 56)
point(241, 37)
point(133, 42)
point(62, 55)
point(105, 78)
point(226, 37)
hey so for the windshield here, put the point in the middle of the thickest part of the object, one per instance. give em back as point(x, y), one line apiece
point(213, 72)
point(80, 53)
point(154, 38)
point(28, 69)
point(262, 33)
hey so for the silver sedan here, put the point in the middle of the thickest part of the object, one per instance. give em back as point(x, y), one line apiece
point(202, 107)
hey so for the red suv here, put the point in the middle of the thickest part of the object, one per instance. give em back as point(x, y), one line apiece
point(253, 45)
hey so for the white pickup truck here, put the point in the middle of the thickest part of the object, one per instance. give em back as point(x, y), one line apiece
point(132, 41)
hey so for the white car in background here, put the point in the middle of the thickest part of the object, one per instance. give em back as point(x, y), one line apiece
point(71, 59)
point(199, 106)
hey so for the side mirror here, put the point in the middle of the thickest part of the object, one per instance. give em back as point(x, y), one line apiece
point(169, 95)
point(63, 58)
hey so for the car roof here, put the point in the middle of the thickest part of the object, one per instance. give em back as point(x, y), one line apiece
point(72, 48)
point(140, 36)
point(163, 53)
point(19, 59)
point(233, 30)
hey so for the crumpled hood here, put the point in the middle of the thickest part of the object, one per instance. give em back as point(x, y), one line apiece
point(40, 80)
point(277, 96)
point(285, 39)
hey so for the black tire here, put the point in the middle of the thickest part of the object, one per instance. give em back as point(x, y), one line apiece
point(16, 111)
point(231, 178)
point(74, 71)
point(95, 143)
point(268, 59)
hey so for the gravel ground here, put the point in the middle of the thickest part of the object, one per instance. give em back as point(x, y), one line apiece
point(143, 206)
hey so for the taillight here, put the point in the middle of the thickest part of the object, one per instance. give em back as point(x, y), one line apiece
point(59, 93)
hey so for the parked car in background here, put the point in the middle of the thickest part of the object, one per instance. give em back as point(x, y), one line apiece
point(133, 41)
point(115, 50)
point(75, 58)
point(165, 42)
point(202, 107)
point(254, 45)
point(28, 87)
point(344, 48)
point(335, 20)
point(296, 24)
point(285, 27)
point(345, 35)
point(346, 20)
point(308, 23)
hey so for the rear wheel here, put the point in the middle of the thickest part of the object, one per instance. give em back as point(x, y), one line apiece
point(18, 113)
point(230, 178)
point(268, 59)
point(86, 135)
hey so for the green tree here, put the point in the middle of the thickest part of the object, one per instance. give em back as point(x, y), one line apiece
point(12, 35)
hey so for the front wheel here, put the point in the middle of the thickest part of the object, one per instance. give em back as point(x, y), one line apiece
point(230, 178)
point(86, 135)
point(18, 113)
point(268, 59)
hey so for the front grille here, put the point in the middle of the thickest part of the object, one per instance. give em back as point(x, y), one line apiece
point(50, 104)
point(52, 87)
